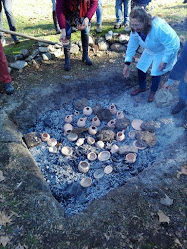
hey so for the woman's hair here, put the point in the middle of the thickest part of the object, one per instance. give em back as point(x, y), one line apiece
point(142, 16)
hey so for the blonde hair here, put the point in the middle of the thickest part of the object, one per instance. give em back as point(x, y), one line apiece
point(142, 16)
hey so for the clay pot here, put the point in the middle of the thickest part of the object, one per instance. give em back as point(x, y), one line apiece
point(92, 130)
point(86, 182)
point(96, 121)
point(52, 142)
point(67, 151)
point(114, 149)
point(81, 122)
point(67, 128)
point(130, 157)
point(111, 123)
point(83, 166)
point(120, 115)
point(120, 136)
point(112, 109)
point(80, 142)
point(45, 137)
point(104, 156)
point(87, 111)
point(100, 144)
point(92, 156)
point(76, 113)
point(68, 118)
point(108, 169)
point(90, 140)
point(72, 137)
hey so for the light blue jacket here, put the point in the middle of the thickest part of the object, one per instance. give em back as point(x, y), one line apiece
point(161, 45)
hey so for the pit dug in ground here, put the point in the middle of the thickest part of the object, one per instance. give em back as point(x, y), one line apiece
point(156, 136)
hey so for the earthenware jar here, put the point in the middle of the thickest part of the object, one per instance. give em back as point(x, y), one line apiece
point(80, 142)
point(92, 156)
point(114, 149)
point(111, 123)
point(90, 140)
point(86, 182)
point(45, 137)
point(76, 113)
point(100, 144)
point(104, 155)
point(67, 151)
point(120, 136)
point(120, 115)
point(81, 122)
point(96, 121)
point(87, 111)
point(108, 169)
point(67, 128)
point(131, 157)
point(68, 118)
point(83, 166)
point(112, 109)
point(92, 130)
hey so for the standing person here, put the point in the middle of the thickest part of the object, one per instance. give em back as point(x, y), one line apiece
point(118, 9)
point(160, 43)
point(4, 73)
point(141, 3)
point(99, 17)
point(7, 4)
point(55, 18)
point(179, 72)
point(77, 13)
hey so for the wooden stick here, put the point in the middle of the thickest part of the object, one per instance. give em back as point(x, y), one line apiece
point(28, 36)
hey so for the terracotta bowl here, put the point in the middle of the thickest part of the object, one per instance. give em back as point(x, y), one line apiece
point(86, 182)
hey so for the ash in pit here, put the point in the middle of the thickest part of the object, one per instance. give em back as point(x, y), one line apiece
point(160, 131)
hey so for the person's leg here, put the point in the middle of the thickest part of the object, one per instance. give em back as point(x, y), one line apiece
point(4, 73)
point(85, 43)
point(127, 10)
point(154, 87)
point(67, 48)
point(118, 9)
point(10, 18)
point(99, 16)
point(55, 18)
point(141, 82)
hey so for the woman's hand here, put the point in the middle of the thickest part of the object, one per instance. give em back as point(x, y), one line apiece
point(162, 66)
point(63, 35)
point(126, 71)
point(84, 24)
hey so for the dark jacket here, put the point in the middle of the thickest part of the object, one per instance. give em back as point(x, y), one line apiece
point(0, 6)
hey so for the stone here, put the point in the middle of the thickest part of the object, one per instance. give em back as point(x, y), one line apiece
point(146, 138)
point(80, 104)
point(18, 64)
point(43, 44)
point(149, 126)
point(51, 48)
point(43, 49)
point(91, 42)
point(108, 37)
point(127, 149)
point(74, 49)
point(31, 139)
point(163, 98)
point(106, 134)
point(98, 40)
point(103, 46)
point(24, 52)
point(33, 55)
point(38, 59)
point(124, 39)
point(104, 114)
point(59, 53)
point(46, 56)
point(18, 57)
point(117, 47)
point(122, 124)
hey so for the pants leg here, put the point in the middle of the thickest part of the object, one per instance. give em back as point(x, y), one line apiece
point(54, 5)
point(118, 8)
point(141, 79)
point(10, 18)
point(155, 83)
point(182, 90)
point(4, 73)
point(127, 10)
point(99, 12)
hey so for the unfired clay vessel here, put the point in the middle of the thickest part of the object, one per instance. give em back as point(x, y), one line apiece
point(92, 156)
point(45, 137)
point(80, 142)
point(68, 118)
point(112, 109)
point(130, 157)
point(100, 144)
point(52, 142)
point(81, 122)
point(96, 121)
point(120, 136)
point(104, 156)
point(67, 151)
point(86, 182)
point(111, 123)
point(92, 130)
point(119, 115)
point(87, 111)
point(114, 149)
point(67, 128)
point(83, 166)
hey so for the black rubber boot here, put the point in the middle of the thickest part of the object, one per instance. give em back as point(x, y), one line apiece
point(67, 56)
point(85, 40)
point(180, 105)
point(56, 23)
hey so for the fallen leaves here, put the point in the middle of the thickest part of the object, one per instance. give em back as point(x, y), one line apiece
point(4, 240)
point(163, 218)
point(166, 201)
point(1, 176)
point(183, 171)
point(4, 219)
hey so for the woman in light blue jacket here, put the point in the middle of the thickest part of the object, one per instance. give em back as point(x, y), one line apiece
point(160, 43)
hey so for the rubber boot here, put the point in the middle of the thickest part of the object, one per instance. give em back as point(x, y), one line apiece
point(85, 39)
point(67, 56)
point(56, 23)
